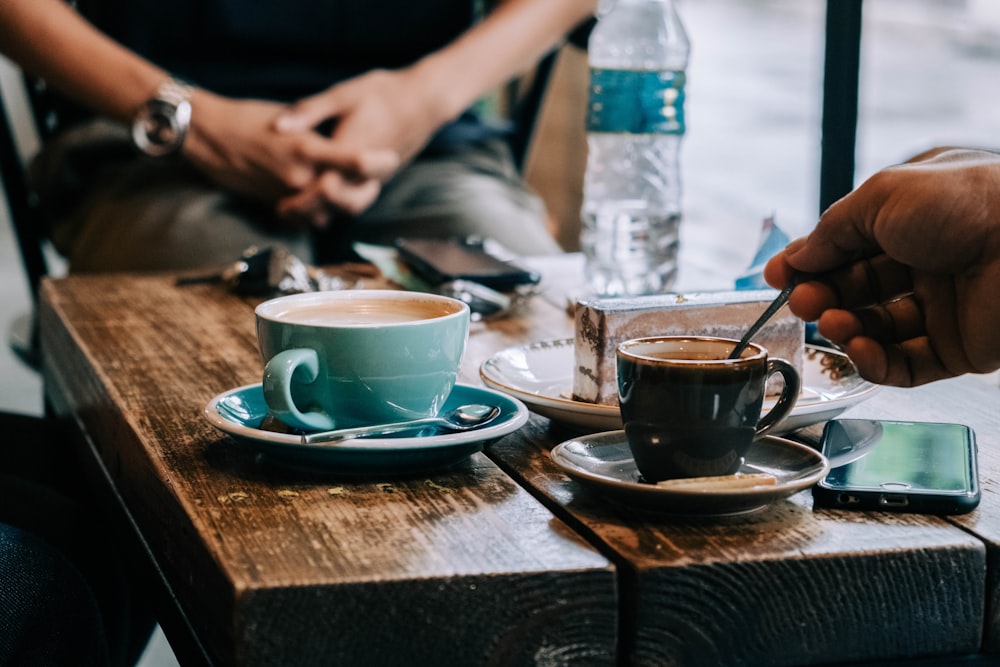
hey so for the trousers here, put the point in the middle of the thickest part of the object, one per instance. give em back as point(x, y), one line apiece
point(110, 209)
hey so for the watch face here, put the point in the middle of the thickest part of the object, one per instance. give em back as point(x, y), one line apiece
point(160, 127)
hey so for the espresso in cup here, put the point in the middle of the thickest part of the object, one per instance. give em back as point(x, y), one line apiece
point(689, 410)
point(352, 358)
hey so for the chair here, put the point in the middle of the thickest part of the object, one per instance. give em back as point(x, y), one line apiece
point(527, 104)
point(21, 201)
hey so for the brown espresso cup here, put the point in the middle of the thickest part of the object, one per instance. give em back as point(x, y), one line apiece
point(689, 410)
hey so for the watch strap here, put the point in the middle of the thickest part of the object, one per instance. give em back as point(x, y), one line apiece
point(174, 91)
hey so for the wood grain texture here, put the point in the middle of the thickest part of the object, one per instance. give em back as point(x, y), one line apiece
point(276, 567)
point(788, 585)
point(785, 585)
point(281, 568)
point(976, 402)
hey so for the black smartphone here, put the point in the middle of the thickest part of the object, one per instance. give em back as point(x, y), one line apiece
point(901, 466)
point(440, 260)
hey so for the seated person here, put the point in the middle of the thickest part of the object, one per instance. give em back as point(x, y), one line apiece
point(312, 124)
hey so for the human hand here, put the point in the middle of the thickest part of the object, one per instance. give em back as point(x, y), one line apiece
point(234, 143)
point(903, 272)
point(378, 111)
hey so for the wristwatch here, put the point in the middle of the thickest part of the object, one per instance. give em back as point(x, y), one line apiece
point(162, 122)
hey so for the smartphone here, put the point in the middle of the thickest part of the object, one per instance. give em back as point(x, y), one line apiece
point(900, 466)
point(441, 260)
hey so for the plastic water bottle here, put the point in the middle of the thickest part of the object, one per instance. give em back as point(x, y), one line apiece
point(631, 212)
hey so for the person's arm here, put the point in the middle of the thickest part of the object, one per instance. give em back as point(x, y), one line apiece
point(231, 141)
point(904, 272)
point(511, 39)
point(50, 39)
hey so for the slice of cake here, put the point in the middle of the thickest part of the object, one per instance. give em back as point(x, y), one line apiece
point(601, 324)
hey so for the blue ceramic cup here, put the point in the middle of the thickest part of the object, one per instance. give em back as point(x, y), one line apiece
point(352, 358)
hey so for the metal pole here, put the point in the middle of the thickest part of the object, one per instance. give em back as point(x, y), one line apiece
point(840, 100)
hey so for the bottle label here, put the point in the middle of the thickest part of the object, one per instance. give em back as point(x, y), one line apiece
point(636, 101)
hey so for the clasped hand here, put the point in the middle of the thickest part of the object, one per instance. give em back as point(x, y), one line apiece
point(273, 152)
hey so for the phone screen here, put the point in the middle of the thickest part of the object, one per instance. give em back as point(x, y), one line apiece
point(916, 466)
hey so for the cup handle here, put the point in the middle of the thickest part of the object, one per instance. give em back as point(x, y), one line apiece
point(789, 394)
point(277, 387)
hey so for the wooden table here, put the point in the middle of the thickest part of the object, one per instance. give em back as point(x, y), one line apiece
point(501, 559)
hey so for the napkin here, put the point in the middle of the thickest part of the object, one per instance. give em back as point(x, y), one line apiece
point(772, 240)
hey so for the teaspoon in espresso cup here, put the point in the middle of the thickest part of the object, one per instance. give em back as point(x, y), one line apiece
point(462, 418)
point(775, 306)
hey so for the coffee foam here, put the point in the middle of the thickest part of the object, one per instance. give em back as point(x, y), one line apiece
point(361, 312)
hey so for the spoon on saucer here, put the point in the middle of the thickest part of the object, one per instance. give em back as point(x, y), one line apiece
point(462, 418)
point(768, 313)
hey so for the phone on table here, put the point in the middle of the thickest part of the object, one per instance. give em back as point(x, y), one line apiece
point(441, 260)
point(901, 466)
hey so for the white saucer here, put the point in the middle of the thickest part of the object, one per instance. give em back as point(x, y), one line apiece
point(241, 412)
point(541, 375)
point(603, 462)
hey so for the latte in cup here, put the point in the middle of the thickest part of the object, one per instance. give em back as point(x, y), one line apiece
point(359, 357)
point(359, 312)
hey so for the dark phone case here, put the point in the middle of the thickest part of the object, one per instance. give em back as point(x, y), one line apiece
point(440, 260)
point(910, 501)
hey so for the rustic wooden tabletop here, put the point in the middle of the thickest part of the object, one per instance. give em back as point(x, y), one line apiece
point(502, 558)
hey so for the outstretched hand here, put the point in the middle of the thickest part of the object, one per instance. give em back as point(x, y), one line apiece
point(903, 273)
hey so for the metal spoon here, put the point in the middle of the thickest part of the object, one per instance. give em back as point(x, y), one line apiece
point(775, 306)
point(484, 302)
point(462, 418)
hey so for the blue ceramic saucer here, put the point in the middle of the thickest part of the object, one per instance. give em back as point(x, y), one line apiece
point(241, 412)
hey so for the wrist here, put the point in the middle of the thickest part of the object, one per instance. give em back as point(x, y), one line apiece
point(202, 146)
point(445, 98)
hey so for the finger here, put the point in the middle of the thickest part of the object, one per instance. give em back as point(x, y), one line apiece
point(845, 231)
point(306, 207)
point(378, 163)
point(810, 299)
point(893, 322)
point(350, 195)
point(839, 326)
point(949, 336)
point(869, 281)
point(777, 272)
point(309, 112)
point(297, 175)
point(860, 284)
point(905, 364)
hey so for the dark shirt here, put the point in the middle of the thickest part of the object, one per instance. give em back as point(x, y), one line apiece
point(288, 49)
point(279, 49)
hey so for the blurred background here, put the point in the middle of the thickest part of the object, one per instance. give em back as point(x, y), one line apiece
point(929, 73)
